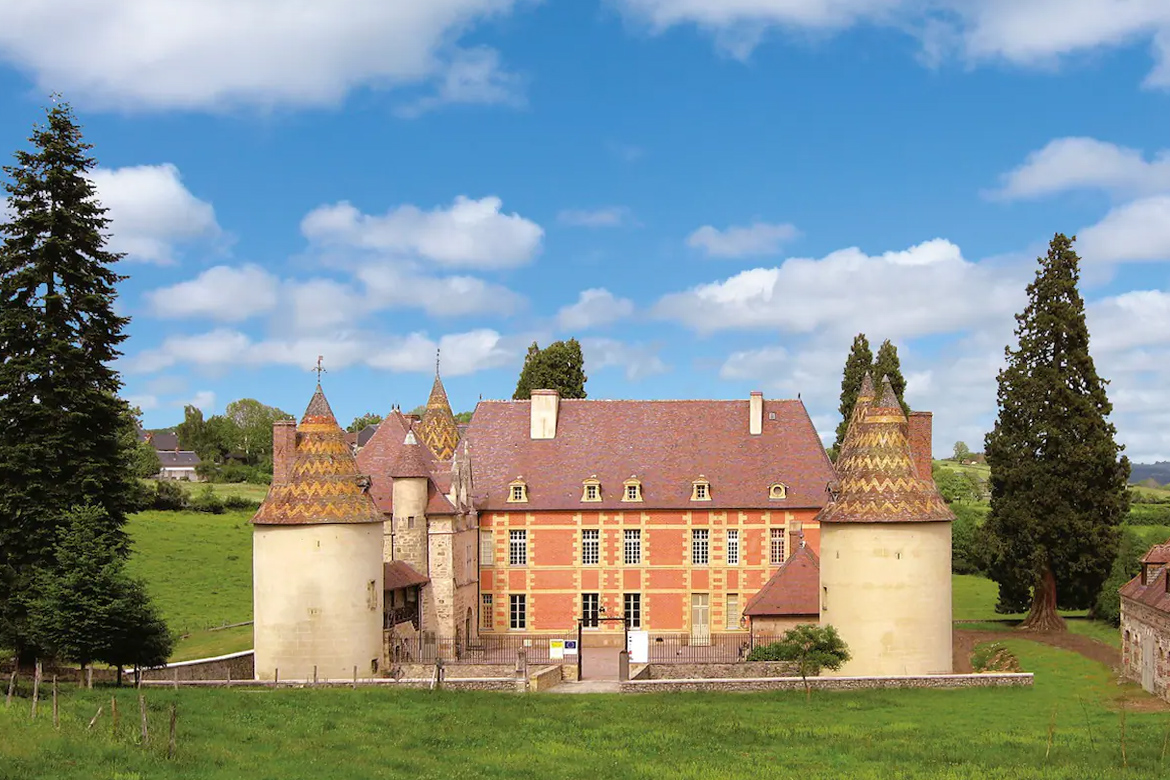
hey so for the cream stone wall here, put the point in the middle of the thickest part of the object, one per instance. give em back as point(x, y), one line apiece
point(886, 587)
point(330, 613)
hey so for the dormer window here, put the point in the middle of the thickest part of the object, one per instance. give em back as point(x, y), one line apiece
point(701, 489)
point(778, 491)
point(591, 489)
point(517, 491)
point(632, 490)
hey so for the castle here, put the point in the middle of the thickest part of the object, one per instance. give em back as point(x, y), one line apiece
point(702, 518)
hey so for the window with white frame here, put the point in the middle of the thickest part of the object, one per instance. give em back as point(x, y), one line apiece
point(632, 603)
point(487, 548)
point(590, 547)
point(517, 611)
point(517, 492)
point(590, 609)
point(732, 611)
point(591, 490)
point(701, 490)
point(632, 549)
point(732, 546)
point(777, 546)
point(517, 548)
point(486, 618)
point(632, 490)
point(700, 546)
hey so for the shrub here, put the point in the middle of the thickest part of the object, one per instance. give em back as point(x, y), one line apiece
point(168, 496)
point(240, 502)
point(1126, 565)
point(766, 653)
point(207, 501)
point(994, 657)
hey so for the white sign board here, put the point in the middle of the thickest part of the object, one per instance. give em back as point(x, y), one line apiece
point(638, 645)
point(556, 649)
point(570, 646)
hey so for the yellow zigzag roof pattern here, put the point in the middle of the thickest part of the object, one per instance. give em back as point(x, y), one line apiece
point(438, 428)
point(878, 482)
point(324, 486)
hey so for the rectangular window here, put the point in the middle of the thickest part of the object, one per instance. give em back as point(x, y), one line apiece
point(777, 546)
point(590, 609)
point(732, 611)
point(590, 547)
point(487, 548)
point(517, 493)
point(700, 547)
point(469, 558)
point(517, 548)
point(632, 551)
point(517, 611)
point(633, 609)
point(733, 547)
point(631, 492)
point(486, 618)
point(593, 492)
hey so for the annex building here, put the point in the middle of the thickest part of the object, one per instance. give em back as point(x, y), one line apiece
point(1145, 623)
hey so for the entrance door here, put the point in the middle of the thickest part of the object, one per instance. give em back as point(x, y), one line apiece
point(700, 619)
point(1148, 663)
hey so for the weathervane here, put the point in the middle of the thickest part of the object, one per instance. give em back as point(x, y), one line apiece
point(438, 354)
point(319, 368)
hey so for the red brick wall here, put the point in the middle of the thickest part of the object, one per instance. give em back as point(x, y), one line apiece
point(284, 445)
point(921, 434)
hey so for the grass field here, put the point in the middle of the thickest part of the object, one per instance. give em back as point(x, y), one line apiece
point(339, 734)
point(225, 489)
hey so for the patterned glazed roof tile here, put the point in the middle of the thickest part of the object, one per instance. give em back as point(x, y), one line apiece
point(792, 590)
point(438, 428)
point(324, 486)
point(667, 444)
point(877, 479)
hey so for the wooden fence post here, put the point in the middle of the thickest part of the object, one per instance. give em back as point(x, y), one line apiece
point(11, 689)
point(276, 675)
point(142, 713)
point(89, 677)
point(36, 690)
point(171, 742)
point(176, 678)
point(229, 674)
point(56, 716)
point(314, 674)
point(355, 678)
point(96, 715)
point(114, 715)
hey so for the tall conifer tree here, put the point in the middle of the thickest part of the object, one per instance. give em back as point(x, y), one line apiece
point(887, 365)
point(1058, 479)
point(60, 417)
point(859, 361)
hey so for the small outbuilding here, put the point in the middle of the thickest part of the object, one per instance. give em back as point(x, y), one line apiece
point(1145, 623)
point(789, 598)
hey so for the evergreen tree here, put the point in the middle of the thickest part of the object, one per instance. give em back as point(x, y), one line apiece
point(60, 418)
point(887, 365)
point(859, 361)
point(1058, 479)
point(559, 366)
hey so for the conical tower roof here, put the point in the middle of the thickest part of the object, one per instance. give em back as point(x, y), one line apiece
point(438, 428)
point(324, 486)
point(411, 460)
point(877, 479)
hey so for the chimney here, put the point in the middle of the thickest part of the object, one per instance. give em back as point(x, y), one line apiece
point(284, 445)
point(545, 405)
point(756, 413)
point(795, 537)
point(921, 434)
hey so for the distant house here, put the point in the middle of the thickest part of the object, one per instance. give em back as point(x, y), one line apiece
point(357, 440)
point(176, 463)
point(1145, 623)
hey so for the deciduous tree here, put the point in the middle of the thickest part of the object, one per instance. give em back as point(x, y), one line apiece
point(364, 421)
point(811, 649)
point(560, 366)
point(1058, 478)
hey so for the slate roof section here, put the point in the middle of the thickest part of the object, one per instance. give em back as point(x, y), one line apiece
point(1153, 594)
point(1159, 553)
point(171, 459)
point(792, 590)
point(666, 444)
point(400, 574)
point(377, 459)
point(878, 482)
point(164, 441)
point(324, 486)
point(412, 461)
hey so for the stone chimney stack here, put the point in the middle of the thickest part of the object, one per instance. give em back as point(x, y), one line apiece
point(284, 446)
point(545, 405)
point(756, 413)
point(921, 435)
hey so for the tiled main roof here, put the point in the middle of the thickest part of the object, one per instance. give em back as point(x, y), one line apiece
point(1153, 594)
point(792, 590)
point(665, 444)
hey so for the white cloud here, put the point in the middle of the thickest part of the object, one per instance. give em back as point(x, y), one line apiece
point(194, 54)
point(1081, 163)
point(474, 76)
point(151, 212)
point(593, 308)
point(1136, 232)
point(221, 293)
point(610, 216)
point(759, 238)
point(1140, 318)
point(204, 401)
point(470, 233)
point(928, 288)
point(763, 363)
point(390, 286)
point(145, 402)
point(463, 353)
point(637, 361)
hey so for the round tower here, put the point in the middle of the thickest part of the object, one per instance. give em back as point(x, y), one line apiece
point(316, 558)
point(886, 549)
point(411, 492)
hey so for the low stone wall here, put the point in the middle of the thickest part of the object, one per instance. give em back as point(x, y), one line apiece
point(460, 684)
point(569, 672)
point(744, 684)
point(544, 678)
point(236, 666)
point(456, 671)
point(639, 671)
point(753, 669)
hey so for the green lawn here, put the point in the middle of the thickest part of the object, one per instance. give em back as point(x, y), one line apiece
point(225, 489)
point(974, 599)
point(339, 734)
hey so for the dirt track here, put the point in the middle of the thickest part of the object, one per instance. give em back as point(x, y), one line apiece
point(965, 642)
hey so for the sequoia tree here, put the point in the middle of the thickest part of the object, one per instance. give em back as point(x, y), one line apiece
point(887, 365)
point(60, 416)
point(860, 361)
point(1058, 478)
point(559, 366)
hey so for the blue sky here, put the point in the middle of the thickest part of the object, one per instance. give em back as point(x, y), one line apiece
point(713, 195)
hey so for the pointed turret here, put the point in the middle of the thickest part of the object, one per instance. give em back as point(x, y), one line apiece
point(411, 461)
point(438, 428)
